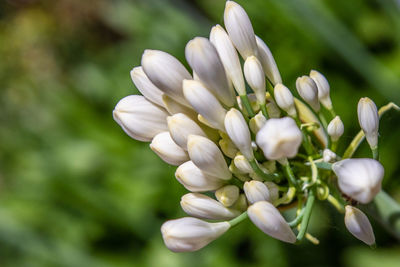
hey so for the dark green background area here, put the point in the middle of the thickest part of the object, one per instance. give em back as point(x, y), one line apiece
point(76, 191)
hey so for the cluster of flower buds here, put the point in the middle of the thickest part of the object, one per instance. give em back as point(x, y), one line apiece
point(258, 153)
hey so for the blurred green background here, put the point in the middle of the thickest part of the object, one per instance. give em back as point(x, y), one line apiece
point(76, 191)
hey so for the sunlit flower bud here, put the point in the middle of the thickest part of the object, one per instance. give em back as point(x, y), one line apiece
point(335, 128)
point(242, 164)
point(181, 126)
point(139, 118)
point(369, 120)
point(191, 234)
point(204, 60)
point(284, 99)
point(146, 87)
point(273, 191)
point(328, 155)
point(268, 62)
point(358, 225)
point(279, 138)
point(206, 155)
point(229, 57)
point(257, 122)
point(255, 77)
point(238, 131)
point(266, 217)
point(227, 195)
point(256, 191)
point(240, 30)
point(195, 180)
point(205, 103)
point(228, 147)
point(360, 179)
point(165, 72)
point(168, 150)
point(308, 90)
point(323, 88)
point(204, 207)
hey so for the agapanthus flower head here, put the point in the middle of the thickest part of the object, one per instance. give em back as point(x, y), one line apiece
point(235, 150)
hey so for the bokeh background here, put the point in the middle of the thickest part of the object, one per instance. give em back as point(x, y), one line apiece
point(76, 191)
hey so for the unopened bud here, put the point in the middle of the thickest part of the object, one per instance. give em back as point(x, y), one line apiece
point(308, 90)
point(358, 225)
point(146, 87)
point(227, 195)
point(328, 155)
point(369, 120)
point(181, 126)
point(335, 128)
point(242, 164)
point(268, 62)
point(168, 150)
point(323, 88)
point(284, 99)
point(256, 191)
point(255, 77)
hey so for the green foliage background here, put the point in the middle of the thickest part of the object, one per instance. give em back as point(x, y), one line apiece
point(76, 191)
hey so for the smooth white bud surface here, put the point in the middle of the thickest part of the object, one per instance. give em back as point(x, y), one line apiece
point(256, 191)
point(360, 179)
point(146, 87)
point(284, 99)
point(308, 90)
point(203, 58)
point(140, 118)
point(358, 225)
point(268, 62)
point(206, 155)
point(369, 120)
point(238, 131)
point(328, 155)
point(257, 122)
point(269, 220)
point(191, 234)
point(165, 72)
point(335, 128)
point(323, 88)
point(227, 195)
point(204, 207)
point(181, 126)
point(168, 150)
point(273, 191)
point(242, 164)
point(240, 30)
point(279, 138)
point(255, 77)
point(195, 180)
point(229, 57)
point(205, 103)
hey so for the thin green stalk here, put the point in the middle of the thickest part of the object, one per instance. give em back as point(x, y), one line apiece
point(332, 112)
point(306, 217)
point(306, 142)
point(260, 172)
point(335, 203)
point(290, 175)
point(375, 152)
point(247, 105)
point(238, 219)
point(324, 165)
point(263, 108)
point(297, 220)
point(322, 119)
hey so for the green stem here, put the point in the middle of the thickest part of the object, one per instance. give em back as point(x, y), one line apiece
point(290, 175)
point(322, 119)
point(297, 220)
point(335, 203)
point(238, 219)
point(324, 165)
point(307, 214)
point(375, 152)
point(332, 112)
point(263, 108)
point(260, 172)
point(247, 105)
point(306, 142)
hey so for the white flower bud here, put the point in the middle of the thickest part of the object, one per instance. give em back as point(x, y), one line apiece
point(335, 128)
point(323, 88)
point(206, 155)
point(255, 77)
point(165, 72)
point(328, 155)
point(139, 118)
point(256, 191)
point(238, 131)
point(204, 60)
point(358, 225)
point(308, 90)
point(181, 126)
point(279, 138)
point(242, 164)
point(191, 234)
point(273, 191)
point(268, 219)
point(205, 103)
point(257, 122)
point(229, 57)
point(168, 150)
point(240, 30)
point(369, 120)
point(360, 179)
point(272, 109)
point(284, 99)
point(204, 207)
point(146, 87)
point(195, 180)
point(174, 107)
point(268, 62)
point(227, 195)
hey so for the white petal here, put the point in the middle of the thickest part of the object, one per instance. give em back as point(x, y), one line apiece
point(255, 77)
point(257, 122)
point(173, 107)
point(180, 127)
point(369, 120)
point(256, 191)
point(146, 87)
point(284, 99)
point(335, 128)
point(323, 88)
point(227, 195)
point(268, 62)
point(358, 225)
point(308, 90)
point(242, 164)
point(168, 150)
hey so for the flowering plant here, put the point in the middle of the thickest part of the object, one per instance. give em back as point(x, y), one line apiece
point(258, 154)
